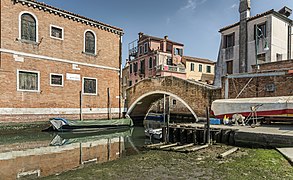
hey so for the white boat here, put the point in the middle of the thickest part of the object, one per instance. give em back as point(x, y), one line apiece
point(281, 106)
point(154, 133)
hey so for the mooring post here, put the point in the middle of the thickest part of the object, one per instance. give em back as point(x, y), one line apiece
point(168, 118)
point(208, 134)
point(80, 106)
point(109, 104)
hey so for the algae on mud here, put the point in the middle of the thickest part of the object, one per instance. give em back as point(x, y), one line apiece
point(204, 164)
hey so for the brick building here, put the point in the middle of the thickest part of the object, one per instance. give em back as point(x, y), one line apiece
point(151, 56)
point(48, 57)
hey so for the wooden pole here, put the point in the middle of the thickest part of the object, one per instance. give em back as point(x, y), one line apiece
point(168, 117)
point(228, 152)
point(109, 104)
point(80, 106)
point(208, 138)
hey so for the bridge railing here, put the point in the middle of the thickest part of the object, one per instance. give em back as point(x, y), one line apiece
point(163, 67)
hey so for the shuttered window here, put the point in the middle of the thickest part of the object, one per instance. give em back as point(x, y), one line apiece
point(28, 27)
point(28, 81)
point(191, 67)
point(90, 44)
point(90, 86)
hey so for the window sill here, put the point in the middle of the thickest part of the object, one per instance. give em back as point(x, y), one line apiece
point(27, 41)
point(89, 54)
point(89, 94)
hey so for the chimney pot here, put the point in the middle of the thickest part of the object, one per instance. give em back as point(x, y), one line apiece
point(165, 37)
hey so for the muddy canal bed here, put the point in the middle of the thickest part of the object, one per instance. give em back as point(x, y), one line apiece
point(204, 164)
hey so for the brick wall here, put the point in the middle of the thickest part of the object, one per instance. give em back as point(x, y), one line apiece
point(51, 55)
point(261, 86)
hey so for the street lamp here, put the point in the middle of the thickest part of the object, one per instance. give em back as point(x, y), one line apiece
point(257, 37)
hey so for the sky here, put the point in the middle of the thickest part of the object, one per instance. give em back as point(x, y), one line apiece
point(194, 23)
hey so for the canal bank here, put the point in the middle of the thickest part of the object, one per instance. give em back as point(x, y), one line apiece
point(204, 164)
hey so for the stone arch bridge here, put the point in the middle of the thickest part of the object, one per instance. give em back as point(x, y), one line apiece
point(194, 95)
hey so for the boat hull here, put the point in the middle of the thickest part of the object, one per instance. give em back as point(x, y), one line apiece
point(266, 106)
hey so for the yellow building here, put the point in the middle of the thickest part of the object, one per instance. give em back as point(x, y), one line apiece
point(199, 69)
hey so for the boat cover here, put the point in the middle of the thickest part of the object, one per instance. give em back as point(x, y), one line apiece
point(266, 106)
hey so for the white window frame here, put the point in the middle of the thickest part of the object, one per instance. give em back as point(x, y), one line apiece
point(19, 24)
point(95, 40)
point(93, 94)
point(24, 90)
point(51, 25)
point(56, 84)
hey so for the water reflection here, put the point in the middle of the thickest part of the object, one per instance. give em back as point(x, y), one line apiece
point(55, 153)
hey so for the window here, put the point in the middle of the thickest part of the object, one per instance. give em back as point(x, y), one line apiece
point(208, 69)
point(130, 68)
point(261, 57)
point(150, 63)
point(229, 40)
point(56, 32)
point(146, 48)
point(28, 26)
point(130, 83)
point(229, 65)
point(89, 86)
point(135, 67)
point(140, 49)
point(169, 61)
point(279, 57)
point(191, 67)
point(200, 68)
point(28, 81)
point(261, 30)
point(178, 51)
point(90, 42)
point(142, 67)
point(56, 79)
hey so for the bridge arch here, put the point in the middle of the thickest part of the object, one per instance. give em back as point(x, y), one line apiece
point(158, 94)
point(196, 96)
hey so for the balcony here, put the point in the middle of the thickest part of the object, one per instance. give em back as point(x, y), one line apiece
point(170, 68)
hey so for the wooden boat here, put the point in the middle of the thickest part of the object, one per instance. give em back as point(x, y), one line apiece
point(63, 125)
point(62, 138)
point(281, 106)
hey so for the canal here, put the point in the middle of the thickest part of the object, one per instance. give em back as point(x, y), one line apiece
point(32, 153)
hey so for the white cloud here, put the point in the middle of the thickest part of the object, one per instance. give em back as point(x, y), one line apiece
point(234, 6)
point(168, 20)
point(192, 4)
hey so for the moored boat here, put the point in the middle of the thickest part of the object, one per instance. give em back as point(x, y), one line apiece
point(281, 106)
point(62, 125)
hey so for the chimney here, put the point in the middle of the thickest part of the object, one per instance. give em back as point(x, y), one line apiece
point(140, 34)
point(166, 37)
point(285, 11)
point(244, 10)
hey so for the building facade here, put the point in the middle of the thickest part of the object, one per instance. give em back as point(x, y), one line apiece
point(254, 40)
point(199, 69)
point(152, 56)
point(56, 63)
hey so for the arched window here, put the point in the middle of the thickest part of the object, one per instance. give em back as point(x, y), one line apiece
point(28, 27)
point(90, 42)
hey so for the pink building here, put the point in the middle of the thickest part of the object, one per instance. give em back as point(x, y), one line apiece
point(152, 56)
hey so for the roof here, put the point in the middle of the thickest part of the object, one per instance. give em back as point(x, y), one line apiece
point(272, 11)
point(145, 36)
point(70, 15)
point(200, 60)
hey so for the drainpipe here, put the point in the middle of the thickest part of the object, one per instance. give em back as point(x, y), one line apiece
point(289, 41)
